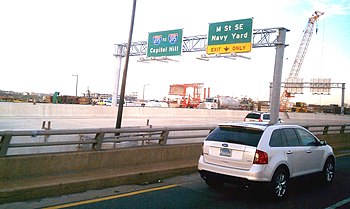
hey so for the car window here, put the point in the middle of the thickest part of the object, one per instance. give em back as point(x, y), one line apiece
point(306, 138)
point(292, 137)
point(278, 139)
point(266, 116)
point(253, 115)
point(238, 135)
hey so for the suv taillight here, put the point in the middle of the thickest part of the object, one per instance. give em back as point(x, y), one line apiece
point(261, 157)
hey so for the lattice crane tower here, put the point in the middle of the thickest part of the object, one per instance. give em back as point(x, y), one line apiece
point(293, 75)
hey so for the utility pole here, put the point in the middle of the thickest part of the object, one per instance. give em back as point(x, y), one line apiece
point(76, 84)
point(143, 92)
point(122, 90)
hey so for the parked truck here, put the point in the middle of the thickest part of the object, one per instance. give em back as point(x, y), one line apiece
point(220, 102)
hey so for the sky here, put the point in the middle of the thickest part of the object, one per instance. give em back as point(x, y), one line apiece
point(44, 42)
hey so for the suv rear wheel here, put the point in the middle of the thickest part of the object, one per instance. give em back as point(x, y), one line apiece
point(279, 183)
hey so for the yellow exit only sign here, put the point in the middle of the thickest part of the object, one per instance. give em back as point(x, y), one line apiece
point(229, 48)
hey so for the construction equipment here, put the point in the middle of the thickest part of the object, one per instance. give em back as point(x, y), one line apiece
point(299, 107)
point(293, 75)
point(186, 100)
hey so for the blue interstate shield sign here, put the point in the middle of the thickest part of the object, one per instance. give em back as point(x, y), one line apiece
point(157, 39)
point(172, 38)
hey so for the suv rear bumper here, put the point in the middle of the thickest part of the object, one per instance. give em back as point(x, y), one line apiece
point(232, 179)
point(257, 173)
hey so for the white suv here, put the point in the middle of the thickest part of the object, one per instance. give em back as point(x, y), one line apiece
point(246, 153)
point(257, 117)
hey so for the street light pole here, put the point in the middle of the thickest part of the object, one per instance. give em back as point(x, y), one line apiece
point(125, 72)
point(143, 92)
point(76, 84)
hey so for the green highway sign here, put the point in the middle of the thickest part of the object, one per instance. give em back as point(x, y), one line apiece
point(164, 43)
point(230, 36)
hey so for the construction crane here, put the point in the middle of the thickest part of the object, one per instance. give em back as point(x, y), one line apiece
point(293, 75)
point(187, 100)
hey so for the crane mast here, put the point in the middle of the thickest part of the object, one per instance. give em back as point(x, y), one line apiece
point(298, 61)
point(304, 45)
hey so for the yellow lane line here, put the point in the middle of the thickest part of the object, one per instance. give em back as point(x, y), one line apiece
point(112, 197)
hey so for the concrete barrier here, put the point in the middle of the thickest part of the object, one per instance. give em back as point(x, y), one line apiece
point(37, 176)
point(16, 167)
point(9, 109)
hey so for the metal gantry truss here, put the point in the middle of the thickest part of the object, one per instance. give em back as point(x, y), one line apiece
point(261, 38)
point(312, 85)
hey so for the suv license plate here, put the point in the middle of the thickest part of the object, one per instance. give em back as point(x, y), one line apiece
point(225, 152)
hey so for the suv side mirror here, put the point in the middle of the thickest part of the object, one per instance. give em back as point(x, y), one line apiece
point(323, 143)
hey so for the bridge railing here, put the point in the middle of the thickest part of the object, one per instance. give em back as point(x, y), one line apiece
point(21, 142)
point(328, 129)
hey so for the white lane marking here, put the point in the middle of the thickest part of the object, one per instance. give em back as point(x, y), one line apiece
point(338, 204)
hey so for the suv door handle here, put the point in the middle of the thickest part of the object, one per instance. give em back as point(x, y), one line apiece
point(289, 152)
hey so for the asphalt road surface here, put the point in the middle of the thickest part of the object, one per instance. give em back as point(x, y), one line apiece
point(190, 191)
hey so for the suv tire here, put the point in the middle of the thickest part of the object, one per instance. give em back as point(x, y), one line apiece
point(279, 184)
point(328, 171)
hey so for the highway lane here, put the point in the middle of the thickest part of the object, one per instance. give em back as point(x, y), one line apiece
point(190, 191)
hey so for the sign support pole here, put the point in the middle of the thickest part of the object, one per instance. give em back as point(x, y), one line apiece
point(277, 75)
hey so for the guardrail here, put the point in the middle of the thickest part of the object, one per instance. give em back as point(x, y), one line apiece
point(98, 139)
point(109, 138)
point(329, 129)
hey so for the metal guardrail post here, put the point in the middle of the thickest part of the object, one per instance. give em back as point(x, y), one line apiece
point(163, 137)
point(46, 128)
point(99, 139)
point(325, 130)
point(342, 129)
point(4, 144)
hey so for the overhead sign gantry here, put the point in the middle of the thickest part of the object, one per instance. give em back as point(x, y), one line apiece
point(268, 37)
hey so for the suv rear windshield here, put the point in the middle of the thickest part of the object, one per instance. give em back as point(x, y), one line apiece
point(253, 115)
point(236, 134)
